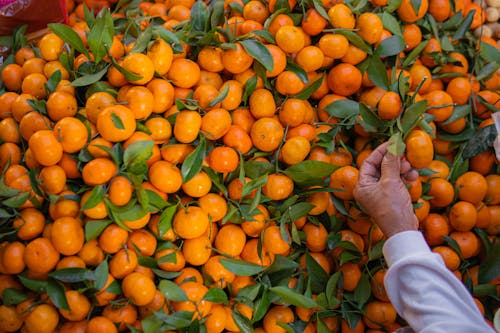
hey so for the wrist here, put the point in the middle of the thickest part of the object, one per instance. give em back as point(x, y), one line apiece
point(392, 224)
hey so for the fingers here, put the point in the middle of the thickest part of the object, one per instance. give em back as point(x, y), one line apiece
point(411, 175)
point(391, 166)
point(405, 167)
point(371, 166)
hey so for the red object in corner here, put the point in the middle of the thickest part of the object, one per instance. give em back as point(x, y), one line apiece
point(35, 13)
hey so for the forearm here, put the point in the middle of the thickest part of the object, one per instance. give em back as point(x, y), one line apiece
point(425, 292)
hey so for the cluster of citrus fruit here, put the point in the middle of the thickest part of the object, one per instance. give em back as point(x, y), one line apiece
point(186, 166)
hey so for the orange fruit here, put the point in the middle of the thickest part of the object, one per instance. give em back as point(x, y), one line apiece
point(344, 178)
point(190, 222)
point(165, 176)
point(471, 187)
point(139, 288)
point(407, 12)
point(290, 39)
point(266, 134)
point(46, 149)
point(369, 27)
point(379, 314)
point(419, 149)
point(463, 216)
point(277, 314)
point(140, 65)
point(341, 16)
point(350, 82)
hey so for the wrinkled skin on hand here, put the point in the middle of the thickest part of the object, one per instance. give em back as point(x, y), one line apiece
point(382, 192)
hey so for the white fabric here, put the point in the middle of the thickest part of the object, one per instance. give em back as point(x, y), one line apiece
point(496, 145)
point(425, 292)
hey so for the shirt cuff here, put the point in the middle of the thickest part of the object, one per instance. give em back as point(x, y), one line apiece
point(404, 244)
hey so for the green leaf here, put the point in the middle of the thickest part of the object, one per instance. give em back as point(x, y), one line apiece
point(331, 289)
point(465, 26)
point(243, 323)
point(369, 119)
point(259, 52)
point(453, 244)
point(136, 156)
point(317, 275)
point(261, 306)
point(172, 292)
point(343, 108)
point(253, 185)
point(56, 294)
point(414, 54)
point(459, 111)
point(19, 34)
point(249, 88)
point(165, 222)
point(293, 67)
point(392, 5)
point(397, 147)
point(16, 201)
point(487, 71)
point(217, 15)
point(127, 213)
point(412, 116)
point(220, 97)
point(128, 75)
point(377, 73)
point(489, 269)
point(355, 40)
point(298, 210)
point(38, 286)
point(416, 5)
point(453, 22)
point(199, 17)
point(256, 169)
point(489, 53)
point(480, 141)
point(216, 295)
point(96, 196)
point(194, 161)
point(390, 46)
point(53, 81)
point(11, 296)
point(285, 326)
point(390, 23)
point(241, 267)
point(309, 172)
point(363, 291)
point(310, 89)
point(69, 36)
point(169, 37)
point(72, 275)
point(155, 202)
point(142, 41)
point(89, 15)
point(101, 273)
point(151, 324)
point(292, 297)
point(88, 79)
point(94, 228)
point(100, 36)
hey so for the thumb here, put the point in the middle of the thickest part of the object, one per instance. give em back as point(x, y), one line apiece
point(391, 166)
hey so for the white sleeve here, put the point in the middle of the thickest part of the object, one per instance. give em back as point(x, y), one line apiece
point(425, 292)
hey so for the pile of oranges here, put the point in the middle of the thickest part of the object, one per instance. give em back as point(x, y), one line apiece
point(181, 166)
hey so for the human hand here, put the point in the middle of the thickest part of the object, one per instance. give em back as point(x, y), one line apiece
point(382, 192)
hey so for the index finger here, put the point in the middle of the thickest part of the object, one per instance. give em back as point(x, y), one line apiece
point(371, 166)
